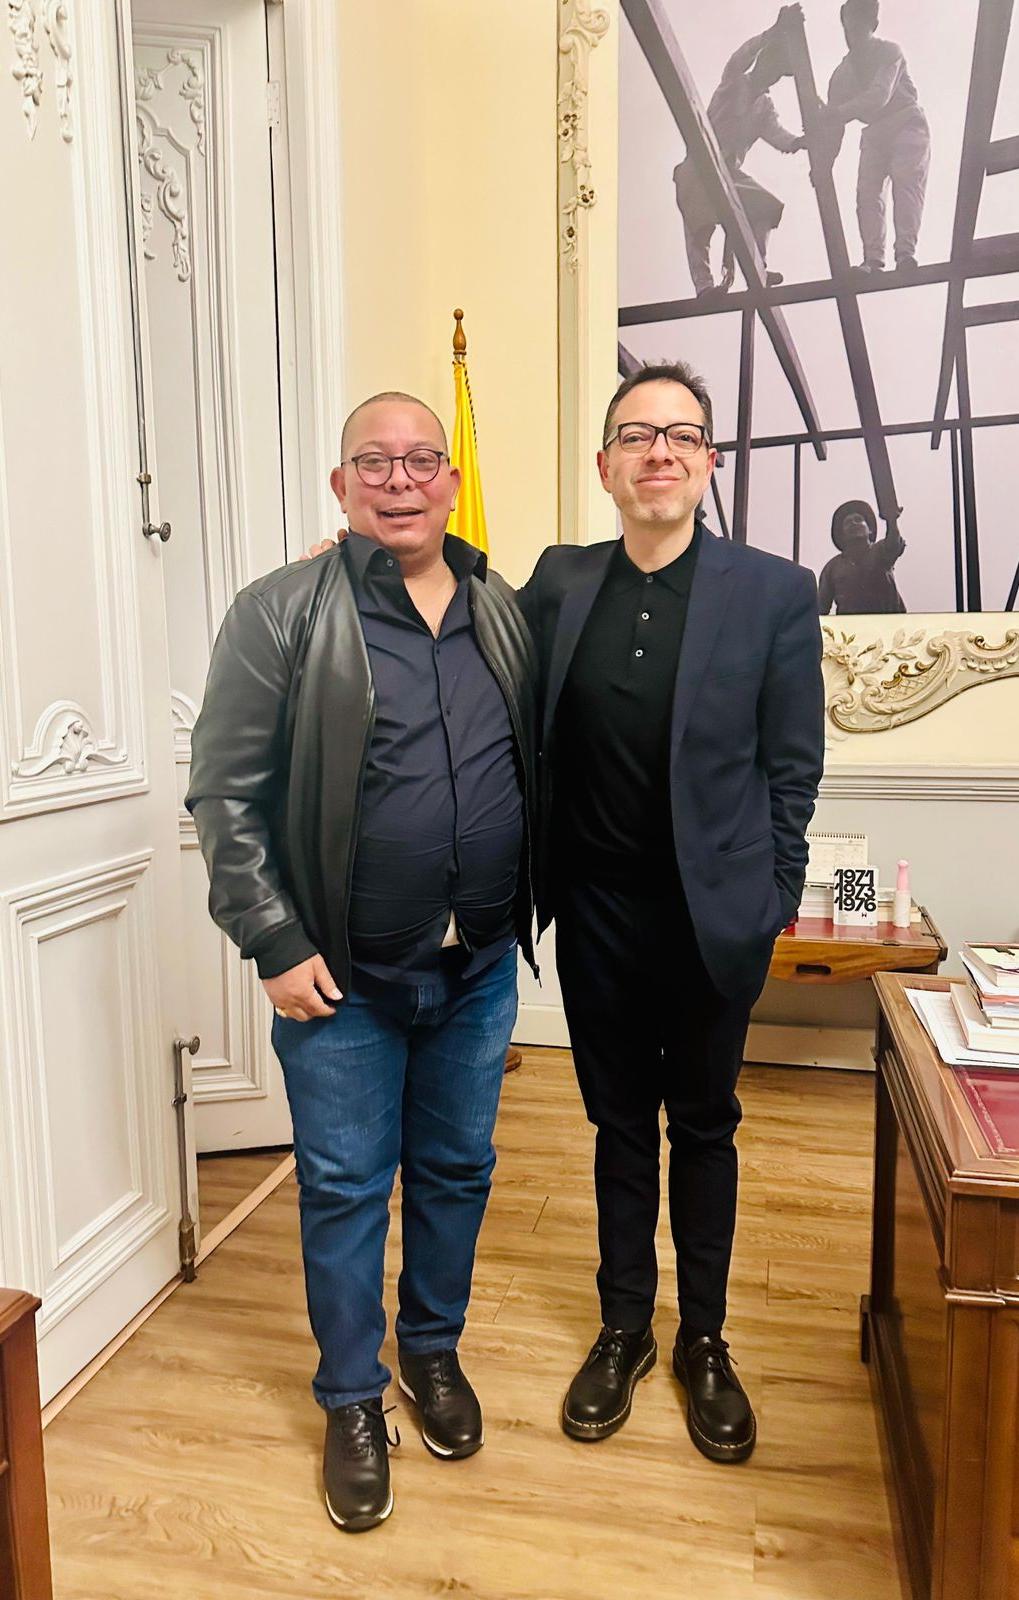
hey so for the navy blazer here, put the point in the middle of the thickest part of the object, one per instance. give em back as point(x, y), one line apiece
point(747, 738)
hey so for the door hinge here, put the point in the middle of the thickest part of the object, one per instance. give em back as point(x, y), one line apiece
point(272, 102)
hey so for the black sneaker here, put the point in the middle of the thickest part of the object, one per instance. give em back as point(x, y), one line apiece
point(598, 1400)
point(451, 1422)
point(718, 1413)
point(355, 1466)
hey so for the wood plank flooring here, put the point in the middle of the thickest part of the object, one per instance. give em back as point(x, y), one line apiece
point(190, 1466)
point(224, 1181)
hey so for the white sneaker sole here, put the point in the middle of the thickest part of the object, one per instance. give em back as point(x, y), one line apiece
point(441, 1450)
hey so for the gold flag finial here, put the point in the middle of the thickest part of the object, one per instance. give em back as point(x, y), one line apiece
point(459, 337)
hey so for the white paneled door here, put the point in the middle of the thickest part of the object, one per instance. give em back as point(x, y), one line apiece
point(91, 923)
point(204, 108)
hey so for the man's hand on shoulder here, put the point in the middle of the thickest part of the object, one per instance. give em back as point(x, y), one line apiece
point(297, 994)
point(322, 547)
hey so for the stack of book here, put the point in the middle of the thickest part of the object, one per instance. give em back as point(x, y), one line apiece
point(988, 1005)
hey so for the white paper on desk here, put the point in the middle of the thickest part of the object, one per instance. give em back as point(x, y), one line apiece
point(935, 1009)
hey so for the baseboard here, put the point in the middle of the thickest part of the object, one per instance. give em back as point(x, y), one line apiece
point(793, 1045)
point(542, 1025)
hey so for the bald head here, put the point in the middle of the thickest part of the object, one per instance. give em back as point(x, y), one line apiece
point(404, 512)
point(396, 397)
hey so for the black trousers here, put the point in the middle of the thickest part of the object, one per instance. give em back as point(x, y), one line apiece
point(649, 1029)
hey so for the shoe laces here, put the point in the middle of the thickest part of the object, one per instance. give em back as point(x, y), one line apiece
point(442, 1372)
point(363, 1431)
point(715, 1355)
point(612, 1343)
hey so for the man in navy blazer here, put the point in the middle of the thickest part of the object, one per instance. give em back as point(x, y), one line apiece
point(682, 750)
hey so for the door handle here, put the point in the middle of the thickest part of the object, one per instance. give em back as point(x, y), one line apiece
point(150, 529)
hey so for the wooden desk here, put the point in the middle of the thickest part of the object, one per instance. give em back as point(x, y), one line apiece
point(941, 1322)
point(24, 1535)
point(814, 950)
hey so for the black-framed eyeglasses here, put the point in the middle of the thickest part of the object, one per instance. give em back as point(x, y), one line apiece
point(375, 469)
point(637, 438)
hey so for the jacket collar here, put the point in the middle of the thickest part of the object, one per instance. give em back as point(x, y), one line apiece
point(463, 559)
point(708, 598)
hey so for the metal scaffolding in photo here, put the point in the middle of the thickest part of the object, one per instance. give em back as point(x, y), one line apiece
point(764, 296)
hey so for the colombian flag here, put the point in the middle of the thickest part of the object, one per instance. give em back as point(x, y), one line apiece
point(468, 518)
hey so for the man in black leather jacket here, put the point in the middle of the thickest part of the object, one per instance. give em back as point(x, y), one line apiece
point(362, 777)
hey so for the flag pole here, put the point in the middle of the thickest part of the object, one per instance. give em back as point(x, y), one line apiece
point(513, 1055)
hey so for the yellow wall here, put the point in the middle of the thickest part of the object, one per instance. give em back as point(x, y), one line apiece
point(449, 153)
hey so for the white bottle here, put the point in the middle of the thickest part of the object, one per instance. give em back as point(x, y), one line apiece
point(903, 904)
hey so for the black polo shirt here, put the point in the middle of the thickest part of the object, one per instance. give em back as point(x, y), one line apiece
point(612, 810)
point(441, 821)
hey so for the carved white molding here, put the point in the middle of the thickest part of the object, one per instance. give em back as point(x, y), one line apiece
point(183, 715)
point(169, 196)
point(994, 785)
point(27, 70)
point(77, 756)
point(580, 30)
point(22, 20)
point(872, 687)
point(58, 30)
point(64, 742)
point(149, 82)
point(146, 203)
point(242, 1072)
point(192, 90)
point(66, 1262)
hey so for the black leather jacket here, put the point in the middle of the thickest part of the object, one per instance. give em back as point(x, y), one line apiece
point(278, 756)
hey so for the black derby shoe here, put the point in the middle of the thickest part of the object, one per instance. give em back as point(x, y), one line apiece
point(451, 1423)
point(598, 1400)
point(355, 1466)
point(718, 1414)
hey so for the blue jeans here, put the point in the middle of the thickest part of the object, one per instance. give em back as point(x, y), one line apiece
point(408, 1075)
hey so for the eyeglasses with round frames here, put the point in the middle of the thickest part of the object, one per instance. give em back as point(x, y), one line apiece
point(374, 469)
point(637, 438)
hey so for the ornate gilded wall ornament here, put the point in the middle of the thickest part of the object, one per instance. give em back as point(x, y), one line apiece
point(872, 687)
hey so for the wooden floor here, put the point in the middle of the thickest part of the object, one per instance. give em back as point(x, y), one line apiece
point(190, 1466)
point(225, 1181)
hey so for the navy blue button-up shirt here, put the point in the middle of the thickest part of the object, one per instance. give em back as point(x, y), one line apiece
point(441, 822)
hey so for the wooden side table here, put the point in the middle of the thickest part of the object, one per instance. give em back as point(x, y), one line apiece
point(24, 1529)
point(814, 950)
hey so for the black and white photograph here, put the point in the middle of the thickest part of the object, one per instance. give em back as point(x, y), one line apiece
point(819, 205)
